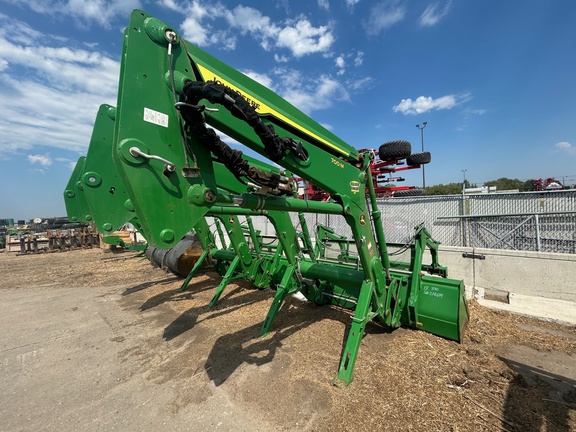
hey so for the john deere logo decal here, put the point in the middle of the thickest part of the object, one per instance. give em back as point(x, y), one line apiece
point(354, 186)
point(362, 219)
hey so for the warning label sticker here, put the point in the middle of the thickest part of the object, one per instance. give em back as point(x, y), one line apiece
point(155, 117)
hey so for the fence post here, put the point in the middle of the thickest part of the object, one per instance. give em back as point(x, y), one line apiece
point(537, 222)
point(464, 221)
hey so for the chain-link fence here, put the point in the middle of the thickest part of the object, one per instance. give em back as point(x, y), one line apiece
point(528, 221)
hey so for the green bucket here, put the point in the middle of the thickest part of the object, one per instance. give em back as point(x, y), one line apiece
point(439, 307)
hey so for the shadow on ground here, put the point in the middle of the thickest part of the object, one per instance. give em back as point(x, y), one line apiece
point(146, 285)
point(188, 319)
point(232, 350)
point(537, 399)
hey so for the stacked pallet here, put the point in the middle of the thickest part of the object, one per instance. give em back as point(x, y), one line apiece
point(118, 238)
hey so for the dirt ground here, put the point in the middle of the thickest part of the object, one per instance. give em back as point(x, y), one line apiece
point(510, 373)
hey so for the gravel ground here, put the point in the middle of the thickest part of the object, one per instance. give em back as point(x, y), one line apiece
point(146, 355)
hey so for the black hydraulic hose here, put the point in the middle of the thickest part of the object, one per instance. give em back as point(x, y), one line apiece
point(231, 158)
point(194, 91)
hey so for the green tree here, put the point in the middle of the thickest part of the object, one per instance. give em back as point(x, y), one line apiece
point(501, 184)
point(505, 183)
point(529, 185)
point(446, 189)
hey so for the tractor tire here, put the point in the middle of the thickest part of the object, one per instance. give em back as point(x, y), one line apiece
point(422, 158)
point(410, 192)
point(394, 150)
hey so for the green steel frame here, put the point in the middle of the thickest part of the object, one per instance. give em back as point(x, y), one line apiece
point(173, 183)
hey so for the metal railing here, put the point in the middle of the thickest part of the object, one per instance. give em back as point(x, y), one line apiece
point(527, 221)
point(540, 232)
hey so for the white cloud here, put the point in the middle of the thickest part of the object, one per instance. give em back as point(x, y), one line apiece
point(434, 13)
point(384, 15)
point(170, 4)
point(343, 60)
point(302, 38)
point(62, 66)
point(324, 4)
point(351, 3)
point(316, 95)
point(359, 83)
point(40, 115)
point(54, 90)
point(263, 79)
point(469, 112)
point(340, 64)
point(86, 12)
point(477, 111)
point(565, 146)
point(3, 64)
point(281, 58)
point(43, 160)
point(424, 104)
point(299, 36)
point(250, 21)
point(197, 27)
point(195, 32)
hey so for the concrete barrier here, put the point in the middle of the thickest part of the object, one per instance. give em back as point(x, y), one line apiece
point(536, 284)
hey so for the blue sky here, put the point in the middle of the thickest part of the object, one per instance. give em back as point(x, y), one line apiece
point(494, 79)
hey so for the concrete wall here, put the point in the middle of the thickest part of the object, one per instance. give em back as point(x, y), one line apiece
point(506, 272)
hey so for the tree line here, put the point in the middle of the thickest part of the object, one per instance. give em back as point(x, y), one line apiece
point(501, 184)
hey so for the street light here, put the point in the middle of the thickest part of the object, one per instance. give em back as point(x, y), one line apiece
point(422, 133)
point(464, 183)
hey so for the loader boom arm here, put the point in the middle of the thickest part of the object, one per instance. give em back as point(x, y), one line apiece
point(176, 169)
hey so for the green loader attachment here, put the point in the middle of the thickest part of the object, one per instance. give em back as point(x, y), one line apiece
point(75, 201)
point(173, 102)
point(95, 192)
point(103, 188)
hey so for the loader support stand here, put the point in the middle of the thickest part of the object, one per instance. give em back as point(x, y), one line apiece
point(194, 270)
point(206, 239)
point(355, 334)
point(282, 292)
point(230, 274)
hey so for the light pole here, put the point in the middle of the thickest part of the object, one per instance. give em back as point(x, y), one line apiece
point(422, 134)
point(463, 222)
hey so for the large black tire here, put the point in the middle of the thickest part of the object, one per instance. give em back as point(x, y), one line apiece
point(394, 150)
point(409, 192)
point(422, 158)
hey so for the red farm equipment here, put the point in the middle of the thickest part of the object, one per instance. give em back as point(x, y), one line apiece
point(388, 160)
